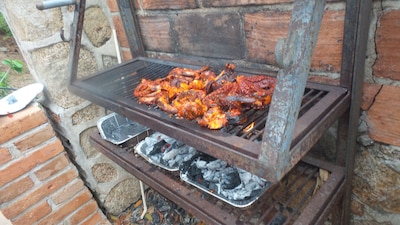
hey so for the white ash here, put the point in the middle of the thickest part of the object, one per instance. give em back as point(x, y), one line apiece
point(216, 172)
point(177, 154)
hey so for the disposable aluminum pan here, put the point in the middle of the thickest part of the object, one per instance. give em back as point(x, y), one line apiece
point(244, 189)
point(118, 129)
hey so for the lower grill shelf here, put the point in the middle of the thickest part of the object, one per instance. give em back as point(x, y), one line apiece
point(321, 106)
point(301, 197)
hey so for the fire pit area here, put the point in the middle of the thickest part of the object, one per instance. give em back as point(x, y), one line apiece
point(255, 171)
point(300, 193)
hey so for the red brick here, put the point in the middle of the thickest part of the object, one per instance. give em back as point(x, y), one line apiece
point(83, 213)
point(156, 33)
point(126, 55)
point(36, 138)
point(21, 122)
point(58, 215)
point(5, 156)
point(38, 194)
point(217, 3)
point(210, 35)
point(323, 80)
point(97, 219)
point(29, 161)
point(35, 214)
point(384, 116)
point(387, 46)
point(15, 189)
point(263, 29)
point(67, 192)
point(52, 167)
point(165, 4)
point(369, 93)
point(119, 29)
point(113, 5)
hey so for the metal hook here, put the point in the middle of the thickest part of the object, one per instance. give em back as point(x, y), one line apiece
point(62, 36)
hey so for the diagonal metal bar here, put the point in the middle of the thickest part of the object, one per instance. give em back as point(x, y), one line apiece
point(294, 57)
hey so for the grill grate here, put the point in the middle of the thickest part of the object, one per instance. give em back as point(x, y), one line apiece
point(123, 87)
point(113, 89)
point(282, 203)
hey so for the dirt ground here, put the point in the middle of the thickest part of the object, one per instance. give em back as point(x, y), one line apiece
point(9, 50)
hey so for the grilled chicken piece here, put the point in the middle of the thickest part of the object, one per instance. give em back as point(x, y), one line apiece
point(200, 94)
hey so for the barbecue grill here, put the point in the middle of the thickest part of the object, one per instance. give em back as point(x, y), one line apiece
point(282, 134)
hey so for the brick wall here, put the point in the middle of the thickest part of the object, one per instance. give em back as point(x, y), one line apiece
point(248, 31)
point(38, 183)
point(240, 31)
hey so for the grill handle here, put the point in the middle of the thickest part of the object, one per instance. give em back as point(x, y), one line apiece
point(54, 4)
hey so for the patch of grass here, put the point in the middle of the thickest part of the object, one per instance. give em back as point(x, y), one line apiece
point(12, 65)
point(4, 29)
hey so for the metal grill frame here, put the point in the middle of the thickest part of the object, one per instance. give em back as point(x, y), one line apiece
point(276, 157)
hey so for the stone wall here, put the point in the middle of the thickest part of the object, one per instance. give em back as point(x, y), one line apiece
point(37, 34)
point(241, 32)
point(38, 182)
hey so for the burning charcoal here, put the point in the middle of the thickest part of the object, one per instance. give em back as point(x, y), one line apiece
point(157, 147)
point(230, 180)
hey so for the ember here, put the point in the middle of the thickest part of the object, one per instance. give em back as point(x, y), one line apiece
point(164, 151)
point(232, 185)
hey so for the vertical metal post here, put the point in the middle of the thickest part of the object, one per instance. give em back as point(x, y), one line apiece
point(294, 57)
point(131, 27)
point(76, 35)
point(363, 12)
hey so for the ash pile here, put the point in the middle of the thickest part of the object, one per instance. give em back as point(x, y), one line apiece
point(230, 184)
point(165, 151)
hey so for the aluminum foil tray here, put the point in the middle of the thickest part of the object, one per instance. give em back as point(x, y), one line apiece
point(164, 151)
point(232, 185)
point(118, 129)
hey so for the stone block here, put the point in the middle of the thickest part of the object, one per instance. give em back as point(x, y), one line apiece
point(122, 195)
point(104, 172)
point(387, 46)
point(96, 26)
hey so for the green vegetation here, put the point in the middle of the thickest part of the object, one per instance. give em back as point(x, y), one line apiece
point(13, 65)
point(4, 29)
